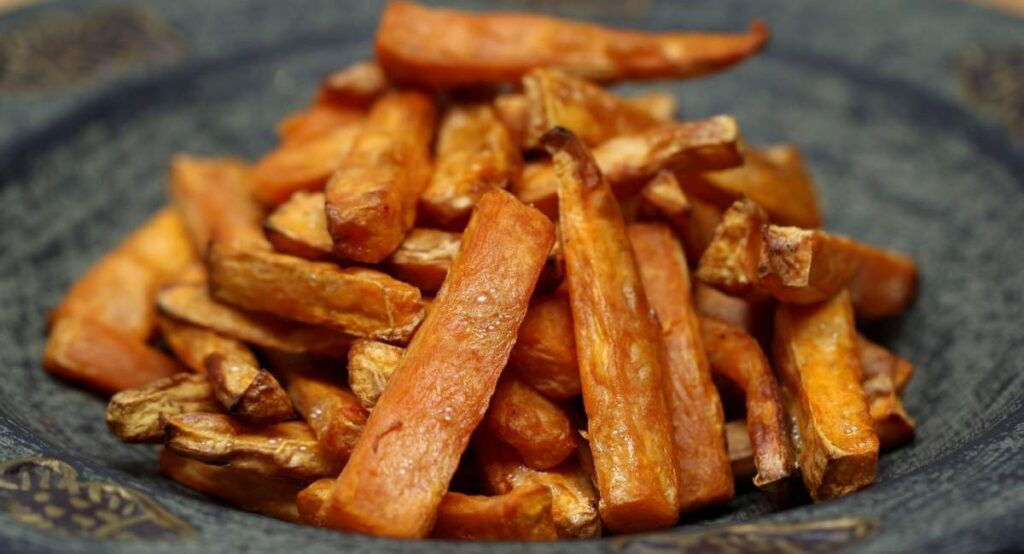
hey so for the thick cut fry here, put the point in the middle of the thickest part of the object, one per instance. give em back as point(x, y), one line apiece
point(735, 355)
point(192, 344)
point(474, 154)
point(282, 450)
point(524, 514)
point(573, 497)
point(370, 366)
point(702, 463)
point(371, 199)
point(137, 415)
point(536, 427)
point(886, 283)
point(876, 359)
point(332, 411)
point(620, 349)
point(213, 196)
point(319, 120)
point(730, 262)
point(441, 48)
point(424, 257)
point(304, 165)
point(629, 161)
point(544, 356)
point(249, 491)
point(357, 301)
point(802, 266)
point(88, 352)
point(421, 425)
point(356, 85)
point(192, 303)
point(248, 392)
point(589, 111)
point(893, 424)
point(816, 356)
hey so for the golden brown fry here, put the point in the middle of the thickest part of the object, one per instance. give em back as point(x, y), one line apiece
point(213, 196)
point(281, 450)
point(137, 415)
point(370, 366)
point(424, 257)
point(741, 453)
point(730, 262)
point(802, 266)
point(246, 391)
point(694, 219)
point(474, 154)
point(304, 165)
point(298, 227)
point(358, 84)
point(536, 427)
point(361, 302)
point(192, 343)
point(442, 48)
point(524, 514)
point(371, 199)
point(249, 491)
point(629, 161)
point(886, 283)
point(877, 359)
point(702, 463)
point(816, 356)
point(403, 462)
point(544, 355)
point(738, 312)
point(893, 424)
point(621, 352)
point(331, 410)
point(192, 303)
point(735, 355)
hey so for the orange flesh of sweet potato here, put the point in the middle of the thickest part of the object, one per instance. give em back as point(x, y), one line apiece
point(544, 355)
point(213, 195)
point(441, 48)
point(893, 424)
point(524, 514)
point(619, 347)
point(702, 463)
point(248, 392)
point(536, 427)
point(371, 199)
point(331, 410)
point(402, 464)
point(803, 266)
point(192, 344)
point(816, 355)
point(137, 415)
point(370, 366)
point(304, 165)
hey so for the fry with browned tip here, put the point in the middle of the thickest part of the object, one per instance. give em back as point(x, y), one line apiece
point(247, 391)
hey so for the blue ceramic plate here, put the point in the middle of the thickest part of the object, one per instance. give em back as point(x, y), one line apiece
point(905, 111)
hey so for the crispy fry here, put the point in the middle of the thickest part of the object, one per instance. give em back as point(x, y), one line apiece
point(248, 392)
point(298, 227)
point(735, 355)
point(474, 154)
point(213, 195)
point(802, 266)
point(286, 449)
point(816, 356)
point(137, 415)
point(702, 463)
point(192, 343)
point(544, 356)
point(621, 353)
point(893, 424)
point(317, 121)
point(886, 283)
point(191, 302)
point(358, 301)
point(741, 453)
point(629, 161)
point(249, 491)
point(524, 514)
point(441, 48)
point(730, 262)
point(422, 423)
point(304, 165)
point(424, 257)
point(331, 410)
point(371, 199)
point(370, 366)
point(356, 85)
point(536, 427)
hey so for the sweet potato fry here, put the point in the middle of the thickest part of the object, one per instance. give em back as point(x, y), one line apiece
point(629, 161)
point(304, 165)
point(893, 424)
point(544, 356)
point(524, 514)
point(371, 199)
point(474, 154)
point(137, 415)
point(421, 425)
point(424, 257)
point(298, 227)
point(162, 245)
point(331, 410)
point(249, 491)
point(361, 302)
point(370, 366)
point(816, 356)
point(213, 196)
point(802, 266)
point(885, 284)
point(192, 303)
point(246, 391)
point(730, 262)
point(621, 353)
point(536, 427)
point(192, 344)
point(441, 48)
point(741, 453)
point(282, 450)
point(735, 355)
point(659, 104)
point(317, 121)
point(876, 359)
point(356, 85)
point(702, 463)
point(694, 219)
point(746, 315)
point(589, 111)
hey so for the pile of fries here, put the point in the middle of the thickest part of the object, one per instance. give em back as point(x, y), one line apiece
point(387, 324)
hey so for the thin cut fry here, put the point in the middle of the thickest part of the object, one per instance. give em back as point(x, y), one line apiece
point(441, 48)
point(886, 283)
point(137, 415)
point(246, 391)
point(524, 514)
point(370, 366)
point(702, 463)
point(358, 301)
point(621, 352)
point(331, 410)
point(371, 199)
point(816, 356)
point(893, 424)
point(213, 196)
point(192, 344)
point(304, 165)
point(474, 154)
point(402, 464)
point(536, 427)
point(356, 85)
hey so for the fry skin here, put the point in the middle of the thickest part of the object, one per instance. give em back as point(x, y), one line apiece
point(370, 366)
point(816, 356)
point(246, 391)
point(619, 347)
point(442, 48)
point(474, 154)
point(191, 344)
point(892, 423)
point(401, 466)
point(544, 355)
point(213, 195)
point(371, 199)
point(702, 463)
point(137, 415)
point(524, 514)
point(536, 427)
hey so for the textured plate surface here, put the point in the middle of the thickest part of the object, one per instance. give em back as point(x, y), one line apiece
point(868, 91)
